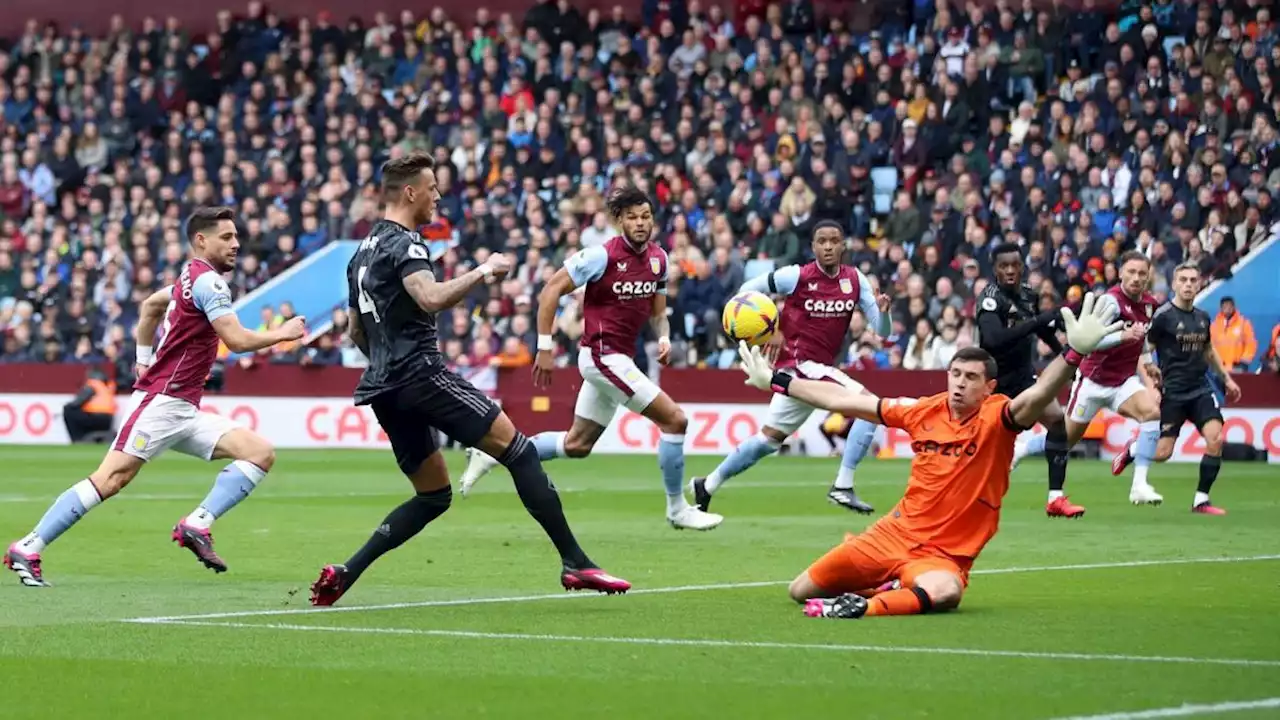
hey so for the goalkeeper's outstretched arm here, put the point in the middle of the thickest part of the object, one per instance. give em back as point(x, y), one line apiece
point(848, 401)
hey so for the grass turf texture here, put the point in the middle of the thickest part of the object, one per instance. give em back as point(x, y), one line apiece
point(753, 654)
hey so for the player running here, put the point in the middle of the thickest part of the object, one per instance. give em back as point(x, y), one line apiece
point(1008, 327)
point(1119, 377)
point(1180, 335)
point(165, 408)
point(625, 283)
point(917, 558)
point(821, 299)
point(393, 301)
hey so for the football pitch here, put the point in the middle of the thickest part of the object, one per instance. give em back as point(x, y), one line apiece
point(1126, 613)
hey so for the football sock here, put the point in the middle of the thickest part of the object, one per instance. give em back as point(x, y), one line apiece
point(750, 452)
point(66, 511)
point(233, 484)
point(542, 501)
point(855, 448)
point(904, 601)
point(1209, 467)
point(550, 445)
point(1055, 452)
point(403, 523)
point(1144, 450)
point(671, 462)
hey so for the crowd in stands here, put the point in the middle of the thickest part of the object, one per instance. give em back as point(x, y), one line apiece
point(930, 130)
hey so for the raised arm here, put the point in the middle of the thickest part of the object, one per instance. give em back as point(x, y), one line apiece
point(992, 328)
point(782, 281)
point(212, 296)
point(881, 321)
point(850, 401)
point(420, 281)
point(1084, 334)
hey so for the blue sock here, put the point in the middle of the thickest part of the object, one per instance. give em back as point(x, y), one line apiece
point(1144, 450)
point(756, 448)
point(234, 484)
point(1035, 445)
point(550, 445)
point(671, 461)
point(66, 511)
point(855, 448)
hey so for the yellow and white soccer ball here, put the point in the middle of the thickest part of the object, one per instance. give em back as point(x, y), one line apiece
point(752, 317)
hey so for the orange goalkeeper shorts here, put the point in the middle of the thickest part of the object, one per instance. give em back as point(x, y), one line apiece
point(878, 556)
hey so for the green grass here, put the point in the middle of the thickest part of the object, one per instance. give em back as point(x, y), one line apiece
point(753, 656)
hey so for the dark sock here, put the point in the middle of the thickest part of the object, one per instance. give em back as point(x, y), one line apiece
point(1209, 467)
point(403, 523)
point(542, 501)
point(1055, 452)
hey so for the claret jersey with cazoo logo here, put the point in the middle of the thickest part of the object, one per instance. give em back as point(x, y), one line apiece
point(817, 311)
point(621, 282)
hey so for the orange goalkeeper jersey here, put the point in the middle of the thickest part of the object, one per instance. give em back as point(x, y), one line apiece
point(959, 475)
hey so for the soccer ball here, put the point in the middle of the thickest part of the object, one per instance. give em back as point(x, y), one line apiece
point(751, 317)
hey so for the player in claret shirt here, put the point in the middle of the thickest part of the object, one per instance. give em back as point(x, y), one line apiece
point(1120, 377)
point(821, 299)
point(165, 409)
point(625, 282)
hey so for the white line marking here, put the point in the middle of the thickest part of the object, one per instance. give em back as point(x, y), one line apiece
point(662, 590)
point(1184, 710)
point(760, 645)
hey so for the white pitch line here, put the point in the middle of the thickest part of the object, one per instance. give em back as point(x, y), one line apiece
point(1185, 710)
point(749, 644)
point(660, 590)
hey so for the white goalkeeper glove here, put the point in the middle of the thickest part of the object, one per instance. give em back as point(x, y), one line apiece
point(1085, 332)
point(756, 366)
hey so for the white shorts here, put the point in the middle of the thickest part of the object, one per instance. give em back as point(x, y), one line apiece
point(787, 414)
point(610, 381)
point(156, 423)
point(1088, 397)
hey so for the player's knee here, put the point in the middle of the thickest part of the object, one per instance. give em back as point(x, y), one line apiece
point(676, 424)
point(803, 588)
point(944, 591)
point(262, 454)
point(1212, 445)
point(1164, 451)
point(109, 483)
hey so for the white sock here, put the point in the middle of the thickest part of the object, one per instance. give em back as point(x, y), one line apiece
point(1055, 494)
point(844, 479)
point(1201, 499)
point(201, 519)
point(32, 544)
point(712, 481)
point(676, 503)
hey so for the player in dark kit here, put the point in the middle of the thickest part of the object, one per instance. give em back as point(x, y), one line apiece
point(393, 301)
point(1008, 327)
point(1180, 335)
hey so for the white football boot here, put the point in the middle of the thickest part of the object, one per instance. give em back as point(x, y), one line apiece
point(479, 464)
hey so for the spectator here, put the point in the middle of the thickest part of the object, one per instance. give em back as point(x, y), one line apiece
point(1232, 337)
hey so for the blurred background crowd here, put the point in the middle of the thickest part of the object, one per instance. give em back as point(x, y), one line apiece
point(930, 129)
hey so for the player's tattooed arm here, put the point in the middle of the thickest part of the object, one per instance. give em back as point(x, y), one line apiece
point(434, 296)
point(355, 331)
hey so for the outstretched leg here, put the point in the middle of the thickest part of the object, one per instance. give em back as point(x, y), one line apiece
point(115, 472)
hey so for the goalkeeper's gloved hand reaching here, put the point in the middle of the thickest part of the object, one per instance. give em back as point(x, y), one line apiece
point(1086, 331)
point(757, 367)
